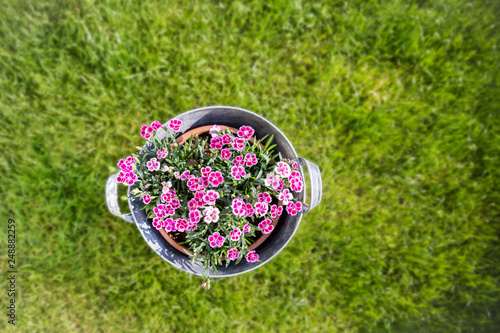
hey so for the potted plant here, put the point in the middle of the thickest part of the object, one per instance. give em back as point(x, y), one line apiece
point(179, 136)
point(215, 192)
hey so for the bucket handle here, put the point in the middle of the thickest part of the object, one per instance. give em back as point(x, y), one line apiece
point(315, 186)
point(112, 198)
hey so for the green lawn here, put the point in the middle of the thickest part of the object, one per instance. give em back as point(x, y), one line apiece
point(397, 102)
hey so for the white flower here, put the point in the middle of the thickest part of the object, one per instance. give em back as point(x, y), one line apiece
point(272, 180)
point(211, 214)
point(166, 186)
point(214, 130)
point(283, 169)
point(285, 196)
point(269, 179)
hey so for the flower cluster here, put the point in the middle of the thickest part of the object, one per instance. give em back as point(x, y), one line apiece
point(222, 189)
point(146, 130)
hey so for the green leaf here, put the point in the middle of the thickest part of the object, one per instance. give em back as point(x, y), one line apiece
point(268, 142)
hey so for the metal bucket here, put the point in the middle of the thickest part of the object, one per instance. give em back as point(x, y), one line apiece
point(284, 231)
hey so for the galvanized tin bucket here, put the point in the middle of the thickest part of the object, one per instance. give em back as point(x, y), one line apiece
point(279, 238)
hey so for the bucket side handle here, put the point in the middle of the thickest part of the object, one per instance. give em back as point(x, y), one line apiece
point(112, 198)
point(316, 185)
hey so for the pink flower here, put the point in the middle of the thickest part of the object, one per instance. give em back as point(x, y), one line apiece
point(281, 184)
point(211, 215)
point(157, 223)
point(198, 196)
point(235, 234)
point(227, 139)
point(268, 229)
point(191, 226)
point(175, 203)
point(276, 211)
point(162, 153)
point(225, 153)
point(146, 199)
point(261, 208)
point(206, 171)
point(245, 132)
point(238, 206)
point(216, 240)
point(193, 183)
point(293, 208)
point(215, 178)
point(210, 197)
point(265, 226)
point(246, 228)
point(166, 197)
point(220, 241)
point(169, 209)
point(264, 197)
point(192, 204)
point(252, 256)
point(126, 178)
point(237, 172)
point(295, 165)
point(214, 130)
point(233, 254)
point(283, 169)
point(285, 196)
point(296, 185)
point(127, 164)
point(250, 159)
point(177, 175)
point(181, 225)
point(296, 180)
point(238, 144)
point(249, 211)
point(238, 160)
point(161, 211)
point(129, 160)
point(185, 174)
point(156, 125)
point(216, 143)
point(146, 131)
point(153, 164)
point(264, 223)
point(175, 124)
point(194, 216)
point(170, 225)
point(204, 182)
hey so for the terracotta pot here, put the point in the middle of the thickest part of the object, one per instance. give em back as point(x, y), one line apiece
point(170, 237)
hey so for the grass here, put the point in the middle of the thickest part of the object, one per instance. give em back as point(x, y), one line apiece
point(397, 102)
